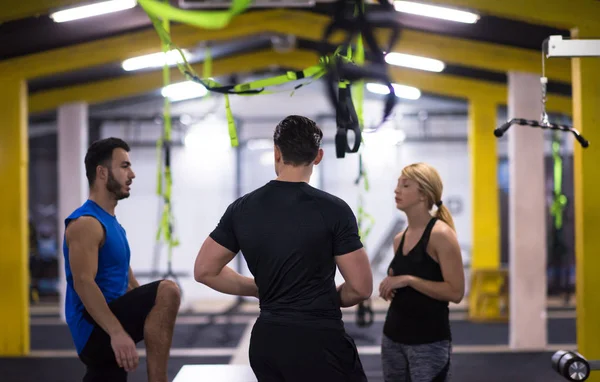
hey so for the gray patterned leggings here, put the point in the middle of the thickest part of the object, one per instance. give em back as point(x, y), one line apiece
point(415, 363)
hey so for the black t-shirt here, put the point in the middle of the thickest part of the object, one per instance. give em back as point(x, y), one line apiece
point(289, 234)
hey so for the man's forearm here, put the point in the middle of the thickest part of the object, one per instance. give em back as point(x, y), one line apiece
point(95, 304)
point(230, 282)
point(439, 290)
point(133, 283)
point(348, 296)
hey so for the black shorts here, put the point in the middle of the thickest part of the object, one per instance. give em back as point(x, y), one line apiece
point(290, 353)
point(131, 310)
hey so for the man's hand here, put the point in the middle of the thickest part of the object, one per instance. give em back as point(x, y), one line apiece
point(125, 351)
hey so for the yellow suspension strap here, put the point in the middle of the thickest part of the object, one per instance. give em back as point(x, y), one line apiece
point(165, 180)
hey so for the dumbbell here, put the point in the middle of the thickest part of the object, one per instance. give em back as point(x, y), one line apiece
point(571, 365)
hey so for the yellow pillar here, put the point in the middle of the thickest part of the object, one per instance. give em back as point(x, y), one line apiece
point(485, 252)
point(14, 273)
point(586, 119)
point(485, 211)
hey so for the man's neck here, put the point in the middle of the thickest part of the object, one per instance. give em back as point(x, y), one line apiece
point(295, 174)
point(104, 200)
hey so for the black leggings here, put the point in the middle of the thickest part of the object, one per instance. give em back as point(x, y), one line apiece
point(415, 363)
point(131, 310)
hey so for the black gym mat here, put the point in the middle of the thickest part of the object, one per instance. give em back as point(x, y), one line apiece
point(494, 367)
point(72, 370)
point(560, 331)
point(499, 367)
point(58, 337)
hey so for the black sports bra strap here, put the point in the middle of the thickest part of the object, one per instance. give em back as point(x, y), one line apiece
point(427, 233)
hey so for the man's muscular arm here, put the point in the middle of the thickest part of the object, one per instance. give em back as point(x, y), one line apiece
point(84, 237)
point(132, 283)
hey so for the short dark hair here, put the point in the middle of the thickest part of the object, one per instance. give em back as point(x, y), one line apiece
point(299, 139)
point(100, 153)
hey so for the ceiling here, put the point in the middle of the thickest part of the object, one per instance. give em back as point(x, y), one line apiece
point(26, 36)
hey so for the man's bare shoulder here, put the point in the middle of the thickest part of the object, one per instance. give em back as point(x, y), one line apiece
point(85, 229)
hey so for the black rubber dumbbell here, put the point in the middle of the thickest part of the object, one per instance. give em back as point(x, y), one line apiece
point(571, 365)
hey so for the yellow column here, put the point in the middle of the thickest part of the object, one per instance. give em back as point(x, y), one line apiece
point(485, 211)
point(14, 274)
point(485, 253)
point(586, 119)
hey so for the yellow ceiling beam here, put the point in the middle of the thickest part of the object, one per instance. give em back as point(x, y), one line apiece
point(136, 84)
point(14, 10)
point(119, 48)
point(564, 14)
point(303, 24)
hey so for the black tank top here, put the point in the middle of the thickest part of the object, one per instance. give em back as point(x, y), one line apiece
point(413, 317)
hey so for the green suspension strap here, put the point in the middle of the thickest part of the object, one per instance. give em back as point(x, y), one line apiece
point(165, 179)
point(560, 200)
point(364, 314)
point(216, 20)
point(331, 66)
point(557, 208)
point(202, 19)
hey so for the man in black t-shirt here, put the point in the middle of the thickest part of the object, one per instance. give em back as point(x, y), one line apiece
point(292, 236)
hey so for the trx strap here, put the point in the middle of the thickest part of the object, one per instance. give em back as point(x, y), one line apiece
point(165, 179)
point(559, 201)
point(364, 314)
point(338, 70)
point(346, 119)
point(252, 88)
point(202, 19)
point(360, 23)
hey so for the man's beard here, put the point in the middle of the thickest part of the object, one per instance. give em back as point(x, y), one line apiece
point(115, 187)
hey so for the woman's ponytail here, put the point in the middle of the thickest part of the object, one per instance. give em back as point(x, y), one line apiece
point(443, 213)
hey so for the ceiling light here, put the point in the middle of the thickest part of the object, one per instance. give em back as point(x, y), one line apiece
point(92, 10)
point(401, 91)
point(414, 62)
point(155, 60)
point(183, 90)
point(436, 12)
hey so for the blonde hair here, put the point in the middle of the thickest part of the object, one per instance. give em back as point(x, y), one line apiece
point(430, 184)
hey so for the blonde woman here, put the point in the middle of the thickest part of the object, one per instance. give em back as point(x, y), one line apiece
point(424, 276)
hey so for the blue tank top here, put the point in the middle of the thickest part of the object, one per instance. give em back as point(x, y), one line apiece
point(113, 270)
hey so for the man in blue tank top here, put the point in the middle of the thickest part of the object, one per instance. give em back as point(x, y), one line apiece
point(107, 311)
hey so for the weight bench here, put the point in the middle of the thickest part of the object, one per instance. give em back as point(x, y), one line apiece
point(215, 373)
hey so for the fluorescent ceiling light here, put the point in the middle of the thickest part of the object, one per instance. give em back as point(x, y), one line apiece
point(92, 10)
point(401, 91)
point(183, 90)
point(436, 12)
point(414, 62)
point(155, 60)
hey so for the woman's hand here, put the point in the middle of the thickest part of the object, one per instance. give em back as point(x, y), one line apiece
point(387, 288)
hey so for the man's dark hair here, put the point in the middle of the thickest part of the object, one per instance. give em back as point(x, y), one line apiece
point(100, 153)
point(299, 139)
